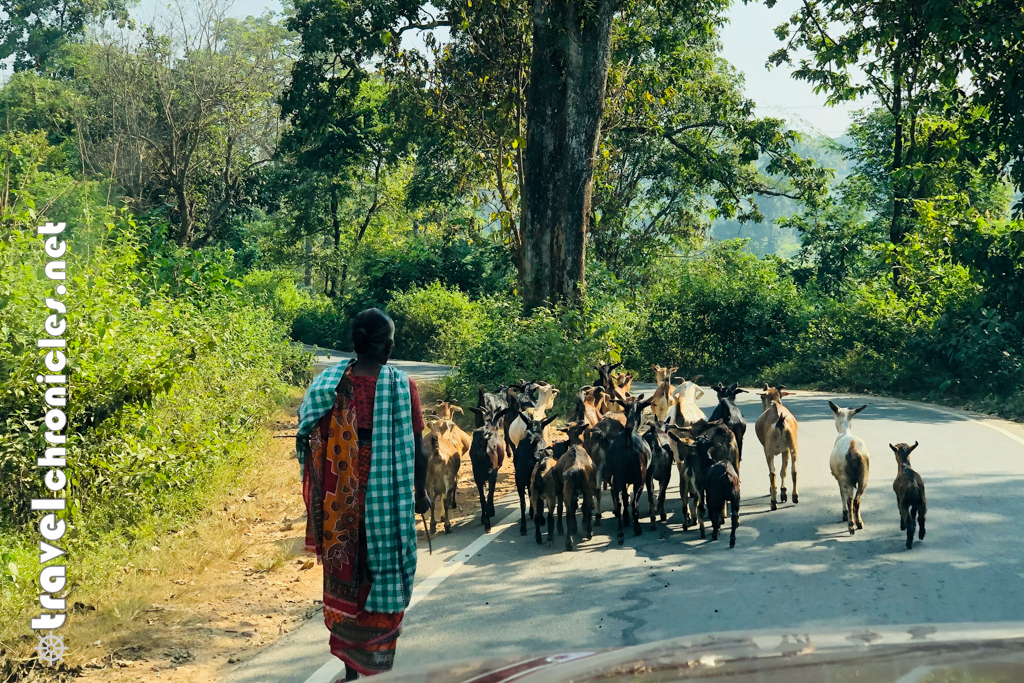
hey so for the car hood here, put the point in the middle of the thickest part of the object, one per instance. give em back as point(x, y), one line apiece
point(922, 653)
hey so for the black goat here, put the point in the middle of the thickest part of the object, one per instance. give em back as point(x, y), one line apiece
point(487, 453)
point(729, 413)
point(721, 485)
point(660, 469)
point(628, 458)
point(909, 489)
point(531, 450)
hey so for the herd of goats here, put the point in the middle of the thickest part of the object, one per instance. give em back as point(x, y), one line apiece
point(609, 447)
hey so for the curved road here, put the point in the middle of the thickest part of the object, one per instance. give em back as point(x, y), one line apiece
point(793, 568)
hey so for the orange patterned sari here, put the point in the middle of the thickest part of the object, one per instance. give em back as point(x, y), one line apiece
point(334, 489)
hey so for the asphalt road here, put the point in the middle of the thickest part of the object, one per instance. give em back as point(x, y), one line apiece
point(793, 568)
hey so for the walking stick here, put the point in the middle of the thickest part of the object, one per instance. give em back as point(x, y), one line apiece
point(426, 530)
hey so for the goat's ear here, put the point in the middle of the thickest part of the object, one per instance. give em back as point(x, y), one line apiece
point(739, 391)
point(671, 370)
point(695, 378)
point(548, 420)
point(788, 393)
point(833, 406)
point(780, 387)
point(555, 392)
point(860, 409)
point(765, 387)
point(894, 449)
point(763, 395)
point(719, 386)
point(454, 408)
point(476, 411)
point(654, 367)
point(912, 448)
point(617, 365)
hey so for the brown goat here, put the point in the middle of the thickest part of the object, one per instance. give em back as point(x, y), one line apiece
point(575, 470)
point(776, 430)
point(909, 488)
point(444, 457)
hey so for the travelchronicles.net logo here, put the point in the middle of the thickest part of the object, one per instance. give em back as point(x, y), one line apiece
point(53, 577)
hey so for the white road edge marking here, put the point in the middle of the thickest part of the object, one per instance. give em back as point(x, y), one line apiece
point(334, 667)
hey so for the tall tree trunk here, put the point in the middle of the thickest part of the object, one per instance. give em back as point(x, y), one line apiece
point(565, 102)
point(186, 224)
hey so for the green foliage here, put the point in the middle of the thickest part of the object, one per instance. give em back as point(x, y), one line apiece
point(726, 315)
point(31, 31)
point(477, 266)
point(436, 324)
point(557, 345)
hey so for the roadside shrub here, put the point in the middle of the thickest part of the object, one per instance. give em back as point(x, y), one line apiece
point(436, 324)
point(323, 322)
point(726, 315)
point(559, 346)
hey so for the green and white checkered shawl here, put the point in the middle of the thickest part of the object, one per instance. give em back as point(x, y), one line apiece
point(390, 516)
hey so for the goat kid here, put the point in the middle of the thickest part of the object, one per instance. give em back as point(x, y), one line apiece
point(849, 463)
point(776, 430)
point(909, 489)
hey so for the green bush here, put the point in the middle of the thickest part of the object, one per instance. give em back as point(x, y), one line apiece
point(559, 346)
point(436, 324)
point(726, 315)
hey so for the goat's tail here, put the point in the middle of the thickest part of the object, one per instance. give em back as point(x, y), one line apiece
point(780, 424)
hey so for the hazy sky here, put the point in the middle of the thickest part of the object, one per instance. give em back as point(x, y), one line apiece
point(747, 39)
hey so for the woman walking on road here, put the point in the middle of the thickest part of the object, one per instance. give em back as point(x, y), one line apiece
point(360, 445)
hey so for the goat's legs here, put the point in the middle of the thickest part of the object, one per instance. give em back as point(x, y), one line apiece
point(433, 522)
point(782, 476)
point(561, 503)
point(920, 522)
point(796, 494)
point(856, 508)
point(522, 510)
point(484, 517)
point(588, 521)
point(701, 511)
point(617, 506)
point(846, 509)
point(569, 496)
point(650, 503)
point(771, 478)
point(445, 508)
point(597, 496)
point(849, 515)
point(735, 519)
point(635, 506)
point(909, 515)
point(661, 500)
point(551, 521)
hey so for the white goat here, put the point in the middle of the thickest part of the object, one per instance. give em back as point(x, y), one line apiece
point(849, 464)
point(686, 395)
